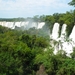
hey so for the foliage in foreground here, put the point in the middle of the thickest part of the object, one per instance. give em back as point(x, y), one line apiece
point(22, 54)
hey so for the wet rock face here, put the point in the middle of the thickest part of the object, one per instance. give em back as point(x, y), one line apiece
point(41, 71)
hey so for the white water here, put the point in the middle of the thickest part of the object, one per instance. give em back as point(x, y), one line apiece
point(72, 36)
point(10, 24)
point(31, 25)
point(18, 24)
point(55, 31)
point(7, 24)
point(63, 32)
point(25, 24)
point(67, 46)
point(40, 25)
point(62, 43)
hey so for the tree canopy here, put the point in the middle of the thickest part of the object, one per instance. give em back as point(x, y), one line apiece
point(72, 3)
point(22, 53)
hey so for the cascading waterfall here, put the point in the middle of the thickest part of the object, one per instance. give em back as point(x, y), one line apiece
point(62, 43)
point(4, 23)
point(40, 25)
point(10, 24)
point(55, 31)
point(63, 32)
point(25, 24)
point(1, 23)
point(31, 25)
point(18, 24)
point(59, 43)
point(72, 36)
point(66, 45)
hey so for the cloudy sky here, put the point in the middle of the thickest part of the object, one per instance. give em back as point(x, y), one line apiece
point(30, 8)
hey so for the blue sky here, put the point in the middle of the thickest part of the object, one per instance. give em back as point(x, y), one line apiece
point(30, 8)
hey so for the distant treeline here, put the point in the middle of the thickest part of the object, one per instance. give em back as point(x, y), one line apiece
point(12, 19)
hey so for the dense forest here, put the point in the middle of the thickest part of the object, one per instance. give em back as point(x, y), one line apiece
point(29, 52)
point(22, 53)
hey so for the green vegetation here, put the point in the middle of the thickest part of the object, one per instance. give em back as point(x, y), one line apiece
point(72, 3)
point(22, 53)
point(12, 19)
point(18, 50)
point(67, 18)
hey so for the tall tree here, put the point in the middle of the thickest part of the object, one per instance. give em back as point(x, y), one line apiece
point(72, 3)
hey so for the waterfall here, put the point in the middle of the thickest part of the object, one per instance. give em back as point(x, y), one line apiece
point(1, 23)
point(18, 24)
point(4, 23)
point(7, 24)
point(67, 47)
point(58, 43)
point(25, 24)
point(72, 36)
point(40, 25)
point(63, 32)
point(62, 43)
point(55, 31)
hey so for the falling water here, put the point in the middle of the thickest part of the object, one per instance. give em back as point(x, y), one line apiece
point(18, 24)
point(61, 44)
point(40, 25)
point(7, 24)
point(26, 24)
point(55, 31)
point(72, 36)
point(63, 32)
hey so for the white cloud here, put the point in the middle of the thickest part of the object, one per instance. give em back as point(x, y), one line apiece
point(27, 4)
point(33, 6)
